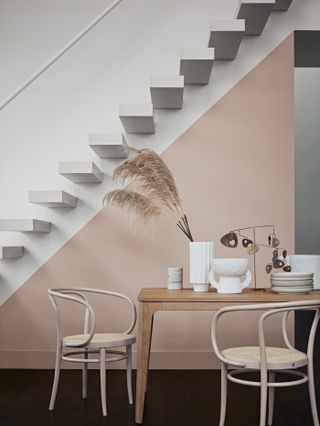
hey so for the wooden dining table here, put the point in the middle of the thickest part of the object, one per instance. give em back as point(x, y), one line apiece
point(152, 300)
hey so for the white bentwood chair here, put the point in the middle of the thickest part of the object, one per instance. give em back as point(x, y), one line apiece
point(268, 360)
point(91, 342)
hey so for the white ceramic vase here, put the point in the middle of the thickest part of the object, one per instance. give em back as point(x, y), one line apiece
point(306, 263)
point(201, 254)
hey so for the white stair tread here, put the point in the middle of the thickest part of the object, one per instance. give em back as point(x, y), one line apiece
point(282, 5)
point(167, 91)
point(258, 2)
point(11, 252)
point(53, 198)
point(108, 145)
point(256, 14)
point(225, 37)
point(24, 225)
point(137, 118)
point(196, 65)
point(81, 171)
point(136, 110)
point(227, 25)
point(167, 81)
point(202, 54)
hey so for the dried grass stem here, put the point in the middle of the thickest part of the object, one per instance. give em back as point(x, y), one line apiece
point(157, 192)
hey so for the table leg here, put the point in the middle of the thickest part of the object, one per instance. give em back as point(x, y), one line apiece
point(145, 324)
point(146, 377)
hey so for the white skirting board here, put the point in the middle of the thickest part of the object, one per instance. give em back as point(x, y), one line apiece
point(159, 361)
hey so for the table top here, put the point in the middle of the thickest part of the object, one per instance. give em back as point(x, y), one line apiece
point(247, 296)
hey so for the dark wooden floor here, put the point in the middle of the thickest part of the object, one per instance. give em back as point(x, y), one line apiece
point(175, 397)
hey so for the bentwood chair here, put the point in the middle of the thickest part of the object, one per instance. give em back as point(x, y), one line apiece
point(90, 342)
point(269, 361)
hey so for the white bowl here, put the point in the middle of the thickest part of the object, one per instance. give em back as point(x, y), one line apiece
point(230, 266)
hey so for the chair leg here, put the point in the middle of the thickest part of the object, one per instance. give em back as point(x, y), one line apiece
point(103, 380)
point(224, 388)
point(129, 373)
point(312, 394)
point(263, 396)
point(271, 390)
point(56, 378)
point(85, 376)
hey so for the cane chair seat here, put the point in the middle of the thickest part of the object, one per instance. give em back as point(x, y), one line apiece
point(277, 358)
point(100, 340)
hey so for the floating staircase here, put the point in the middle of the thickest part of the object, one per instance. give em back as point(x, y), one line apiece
point(53, 199)
point(256, 14)
point(166, 92)
point(81, 171)
point(137, 118)
point(282, 5)
point(196, 65)
point(11, 252)
point(108, 146)
point(225, 37)
point(24, 225)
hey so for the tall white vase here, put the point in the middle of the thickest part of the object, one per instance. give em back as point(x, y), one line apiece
point(201, 254)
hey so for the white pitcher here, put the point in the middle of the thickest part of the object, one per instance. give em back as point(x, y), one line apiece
point(230, 272)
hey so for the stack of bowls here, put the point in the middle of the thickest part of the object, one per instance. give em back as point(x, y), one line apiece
point(292, 282)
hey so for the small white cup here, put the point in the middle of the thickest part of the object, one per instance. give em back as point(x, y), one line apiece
point(175, 278)
point(175, 286)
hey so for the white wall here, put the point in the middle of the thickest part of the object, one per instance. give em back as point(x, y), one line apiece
point(81, 93)
point(31, 31)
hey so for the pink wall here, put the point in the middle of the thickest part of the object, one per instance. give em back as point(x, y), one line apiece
point(234, 167)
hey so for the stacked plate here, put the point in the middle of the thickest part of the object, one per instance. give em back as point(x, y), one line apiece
point(292, 282)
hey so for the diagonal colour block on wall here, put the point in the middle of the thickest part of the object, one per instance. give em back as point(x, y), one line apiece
point(234, 167)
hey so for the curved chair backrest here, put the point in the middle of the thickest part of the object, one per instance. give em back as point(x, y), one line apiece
point(271, 309)
point(76, 295)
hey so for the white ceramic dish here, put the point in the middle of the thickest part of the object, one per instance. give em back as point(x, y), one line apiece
point(291, 275)
point(292, 287)
point(291, 283)
point(291, 279)
point(296, 290)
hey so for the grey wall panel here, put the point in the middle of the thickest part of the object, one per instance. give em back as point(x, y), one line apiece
point(307, 48)
point(307, 160)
